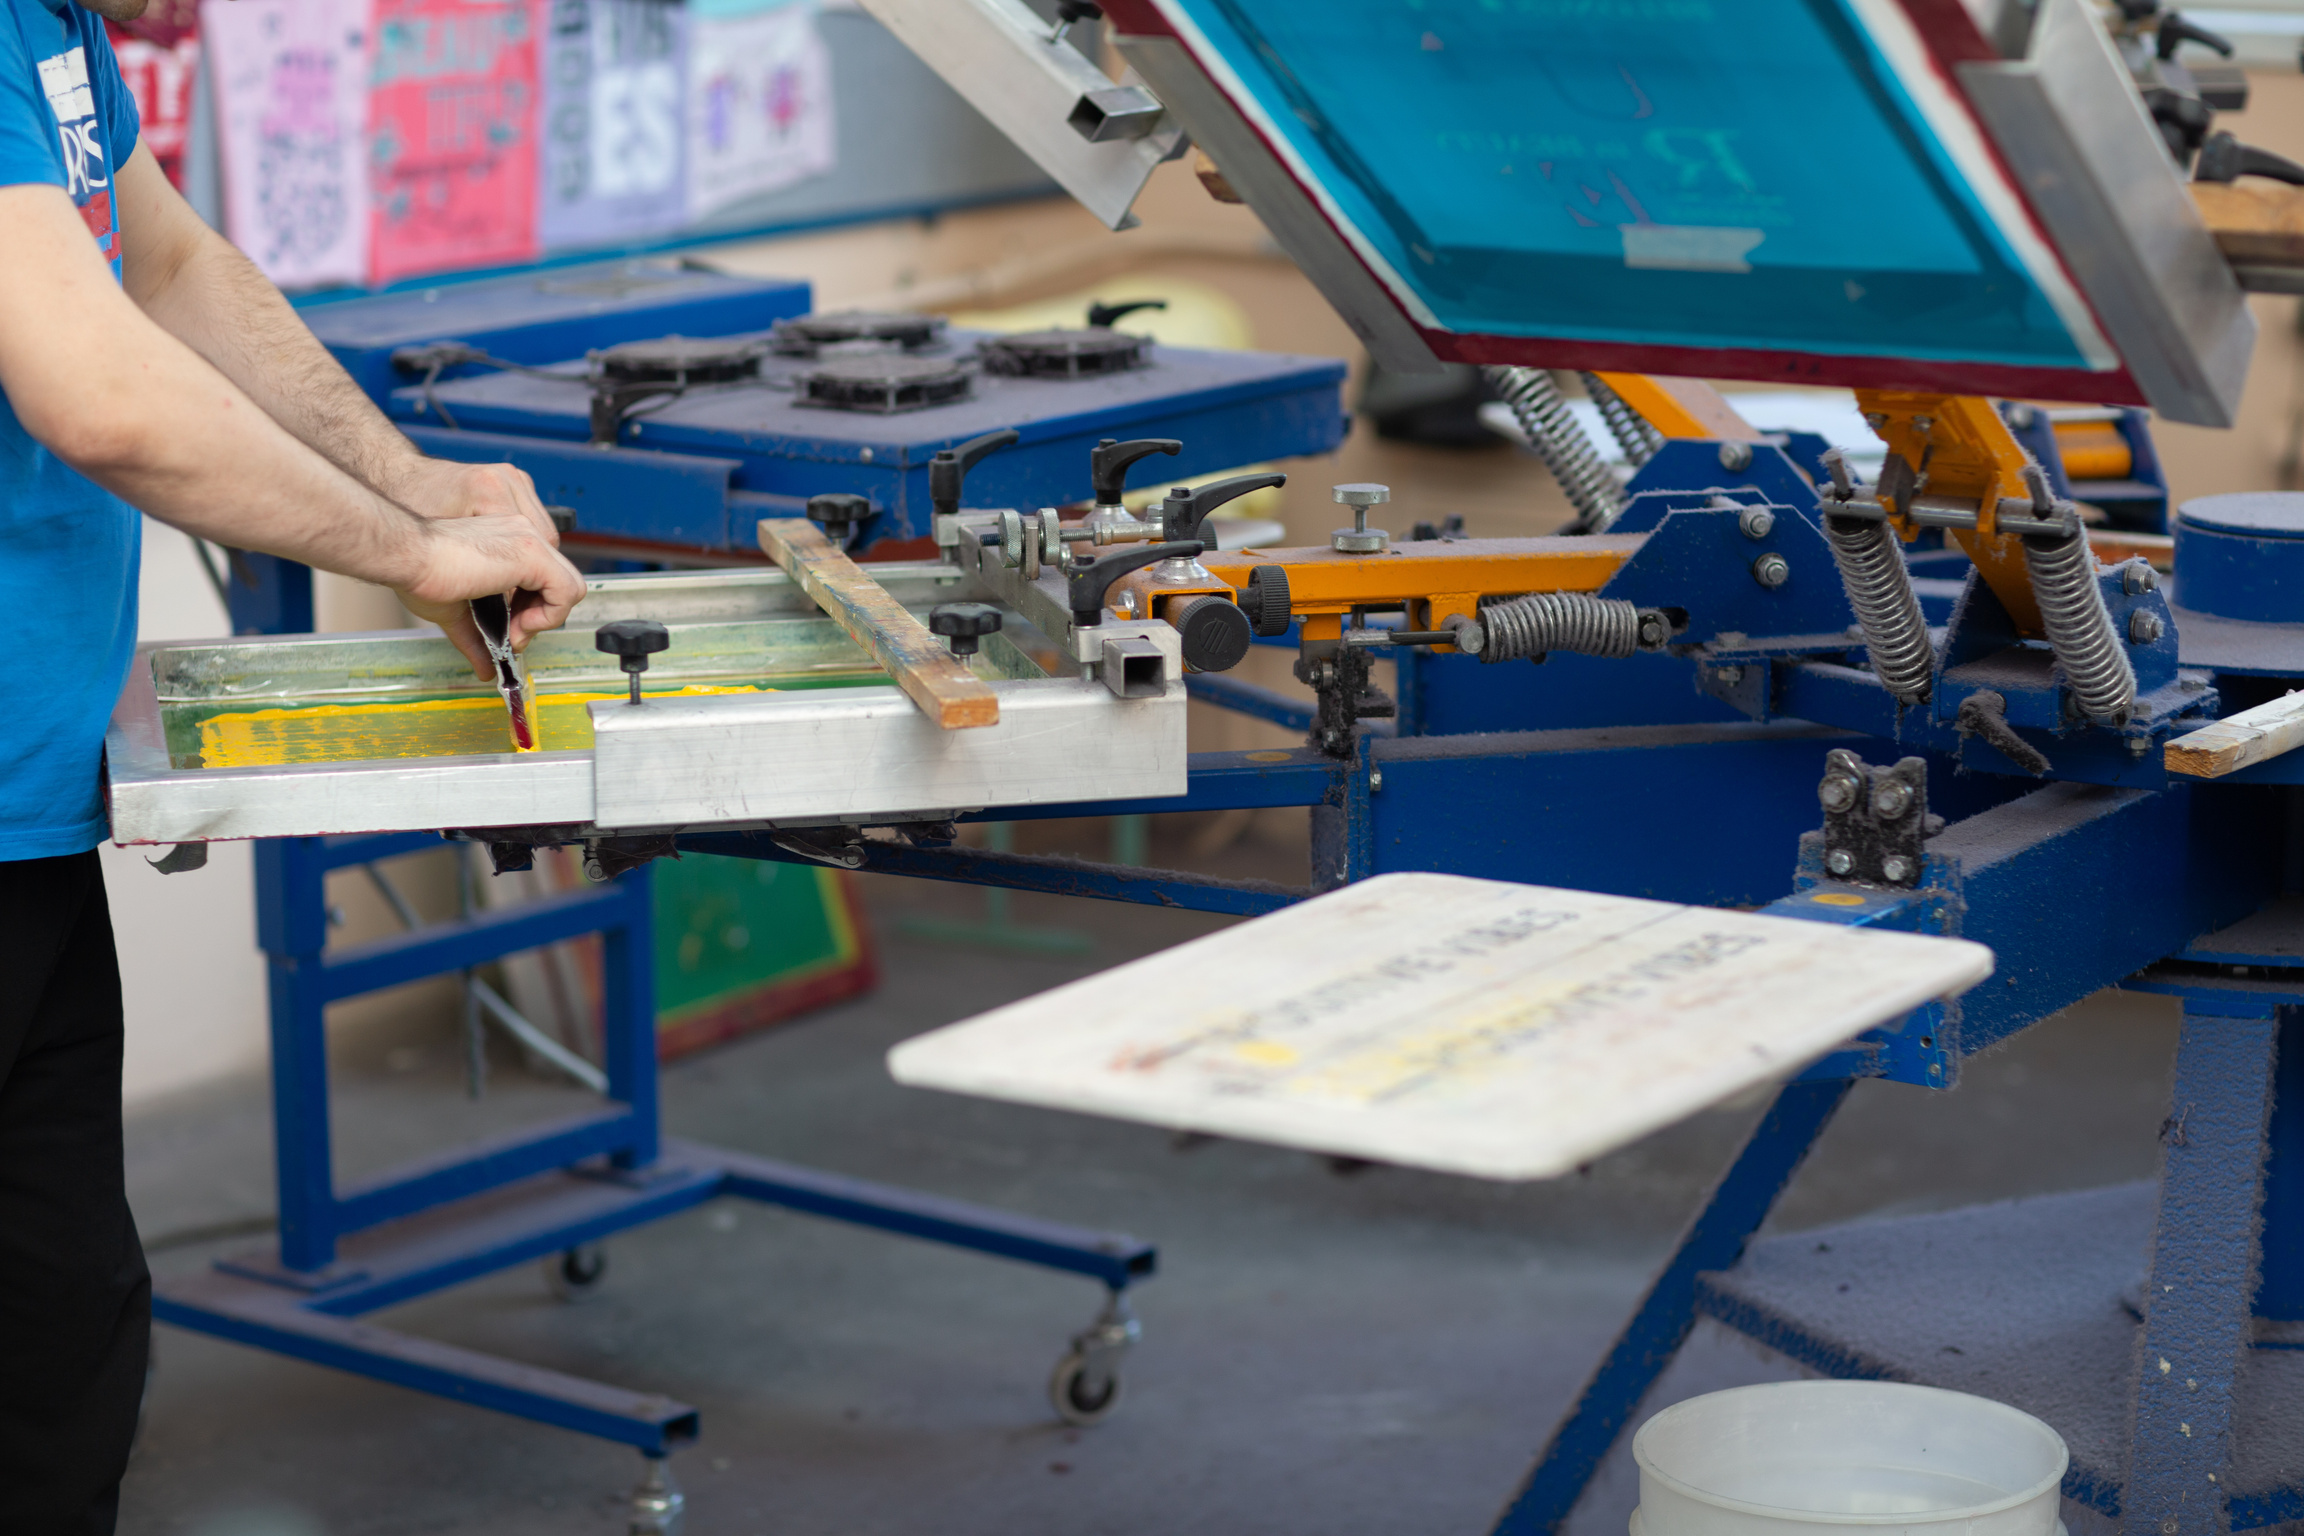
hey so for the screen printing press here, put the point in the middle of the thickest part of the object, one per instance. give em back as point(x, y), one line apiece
point(1972, 751)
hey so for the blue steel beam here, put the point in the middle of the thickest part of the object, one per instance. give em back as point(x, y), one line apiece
point(1716, 1239)
point(472, 940)
point(1245, 698)
point(484, 1165)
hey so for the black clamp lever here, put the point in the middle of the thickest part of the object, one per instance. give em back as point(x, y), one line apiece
point(1184, 509)
point(2225, 158)
point(949, 468)
point(964, 624)
point(1105, 316)
point(1109, 461)
point(632, 642)
point(1085, 585)
point(2176, 30)
point(838, 513)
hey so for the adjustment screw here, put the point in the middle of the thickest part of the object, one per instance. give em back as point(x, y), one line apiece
point(964, 624)
point(1897, 868)
point(1735, 456)
point(1837, 794)
point(1755, 522)
point(1360, 539)
point(1891, 800)
point(1839, 861)
point(2143, 627)
point(2137, 576)
point(1771, 570)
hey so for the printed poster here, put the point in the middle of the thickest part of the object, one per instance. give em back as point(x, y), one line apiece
point(614, 135)
point(759, 106)
point(291, 81)
point(159, 58)
point(452, 110)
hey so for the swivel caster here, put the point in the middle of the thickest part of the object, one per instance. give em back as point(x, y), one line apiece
point(577, 1273)
point(1085, 1386)
point(659, 1508)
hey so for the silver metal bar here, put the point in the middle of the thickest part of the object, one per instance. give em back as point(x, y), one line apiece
point(392, 897)
point(516, 1025)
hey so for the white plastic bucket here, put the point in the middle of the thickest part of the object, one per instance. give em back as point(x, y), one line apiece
point(1790, 1457)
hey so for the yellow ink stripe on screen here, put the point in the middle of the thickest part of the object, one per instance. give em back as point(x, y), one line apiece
point(348, 733)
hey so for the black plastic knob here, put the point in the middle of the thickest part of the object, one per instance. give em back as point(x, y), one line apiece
point(948, 470)
point(1105, 316)
point(1266, 602)
point(838, 513)
point(964, 624)
point(632, 642)
point(1215, 634)
point(1108, 464)
point(1185, 509)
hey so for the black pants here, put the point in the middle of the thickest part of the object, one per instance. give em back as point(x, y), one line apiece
point(75, 1298)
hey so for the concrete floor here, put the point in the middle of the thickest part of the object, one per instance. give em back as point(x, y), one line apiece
point(1325, 1353)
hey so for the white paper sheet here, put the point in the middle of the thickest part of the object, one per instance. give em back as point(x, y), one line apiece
point(291, 95)
point(759, 106)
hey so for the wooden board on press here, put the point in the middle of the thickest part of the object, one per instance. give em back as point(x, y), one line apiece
point(1469, 1026)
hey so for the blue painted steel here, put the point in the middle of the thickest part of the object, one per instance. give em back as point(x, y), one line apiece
point(1688, 470)
point(1659, 1326)
point(473, 940)
point(2280, 1293)
point(1460, 695)
point(2242, 556)
point(1228, 408)
point(2203, 1271)
point(266, 595)
point(1699, 561)
point(491, 1163)
point(1246, 698)
point(539, 316)
point(665, 498)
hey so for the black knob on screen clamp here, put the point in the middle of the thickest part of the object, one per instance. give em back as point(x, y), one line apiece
point(1109, 460)
point(2176, 31)
point(1085, 585)
point(2224, 158)
point(838, 513)
point(964, 624)
point(948, 470)
point(1184, 510)
point(1216, 634)
point(632, 642)
point(1105, 316)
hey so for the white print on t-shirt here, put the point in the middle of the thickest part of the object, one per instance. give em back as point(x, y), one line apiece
point(65, 79)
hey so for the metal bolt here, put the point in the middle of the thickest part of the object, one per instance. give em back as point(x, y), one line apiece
point(1891, 800)
point(1897, 868)
point(1735, 456)
point(2021, 417)
point(1771, 570)
point(2168, 1528)
point(2138, 576)
point(2139, 745)
point(1755, 522)
point(1839, 861)
point(1728, 677)
point(1375, 779)
point(2143, 627)
point(1652, 630)
point(1360, 539)
point(1836, 794)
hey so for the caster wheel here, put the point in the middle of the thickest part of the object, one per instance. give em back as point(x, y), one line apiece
point(576, 1274)
point(1074, 1400)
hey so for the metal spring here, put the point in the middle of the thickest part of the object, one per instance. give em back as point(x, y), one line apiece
point(2096, 669)
point(1519, 627)
point(1634, 433)
point(1552, 431)
point(1880, 590)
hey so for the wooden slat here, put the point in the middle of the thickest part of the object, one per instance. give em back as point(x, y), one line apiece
point(2256, 223)
point(2251, 736)
point(922, 664)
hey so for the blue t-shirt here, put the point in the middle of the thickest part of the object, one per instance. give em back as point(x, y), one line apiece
point(68, 548)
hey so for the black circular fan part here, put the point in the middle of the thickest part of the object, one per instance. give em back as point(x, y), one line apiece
point(885, 384)
point(679, 360)
point(1083, 354)
point(808, 335)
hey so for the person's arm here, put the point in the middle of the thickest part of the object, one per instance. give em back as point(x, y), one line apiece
point(200, 289)
point(111, 393)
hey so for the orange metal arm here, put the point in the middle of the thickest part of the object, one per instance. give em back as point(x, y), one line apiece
point(1437, 579)
point(1959, 447)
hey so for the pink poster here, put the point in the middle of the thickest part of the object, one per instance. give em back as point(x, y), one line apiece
point(291, 84)
point(452, 112)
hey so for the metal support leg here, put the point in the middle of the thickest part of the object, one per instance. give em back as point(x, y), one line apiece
point(2197, 1302)
point(659, 1508)
point(1714, 1240)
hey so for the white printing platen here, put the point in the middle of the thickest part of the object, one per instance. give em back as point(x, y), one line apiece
point(1471, 1026)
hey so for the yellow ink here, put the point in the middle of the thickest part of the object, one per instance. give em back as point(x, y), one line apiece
point(1266, 1053)
point(1837, 899)
point(340, 733)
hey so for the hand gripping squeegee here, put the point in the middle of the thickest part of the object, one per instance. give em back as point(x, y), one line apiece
point(493, 617)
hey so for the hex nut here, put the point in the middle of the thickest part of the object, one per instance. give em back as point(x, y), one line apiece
point(1897, 868)
point(1839, 861)
point(1891, 800)
point(2137, 576)
point(1755, 522)
point(2143, 627)
point(1836, 793)
point(1735, 456)
point(1771, 570)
